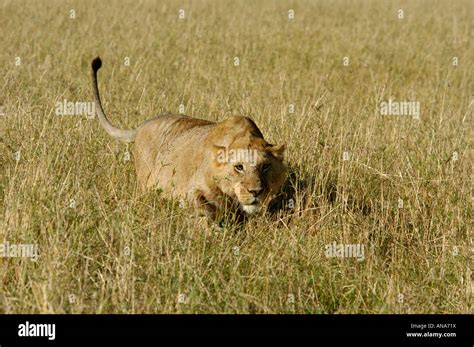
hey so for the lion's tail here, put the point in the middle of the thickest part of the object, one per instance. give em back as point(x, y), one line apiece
point(119, 134)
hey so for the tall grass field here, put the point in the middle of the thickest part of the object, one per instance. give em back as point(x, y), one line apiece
point(374, 100)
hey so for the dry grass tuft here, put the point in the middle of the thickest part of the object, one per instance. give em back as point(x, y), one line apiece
point(122, 251)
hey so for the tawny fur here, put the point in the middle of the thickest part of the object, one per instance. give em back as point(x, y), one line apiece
point(179, 154)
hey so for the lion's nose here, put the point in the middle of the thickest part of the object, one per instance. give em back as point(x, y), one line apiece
point(256, 191)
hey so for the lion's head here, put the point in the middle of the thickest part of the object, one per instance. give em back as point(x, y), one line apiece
point(245, 167)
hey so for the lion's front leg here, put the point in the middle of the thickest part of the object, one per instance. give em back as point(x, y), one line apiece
point(203, 207)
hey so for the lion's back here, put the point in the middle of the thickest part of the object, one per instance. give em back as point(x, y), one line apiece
point(166, 150)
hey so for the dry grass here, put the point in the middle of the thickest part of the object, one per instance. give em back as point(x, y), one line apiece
point(121, 251)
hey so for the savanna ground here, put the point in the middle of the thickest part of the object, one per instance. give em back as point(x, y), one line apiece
point(404, 192)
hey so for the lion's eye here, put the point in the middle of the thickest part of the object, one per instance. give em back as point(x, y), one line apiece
point(266, 167)
point(239, 168)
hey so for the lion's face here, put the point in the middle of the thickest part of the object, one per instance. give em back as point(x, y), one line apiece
point(250, 172)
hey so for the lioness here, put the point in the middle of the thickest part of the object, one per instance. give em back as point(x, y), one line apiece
point(216, 167)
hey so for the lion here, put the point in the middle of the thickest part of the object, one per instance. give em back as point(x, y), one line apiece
point(213, 167)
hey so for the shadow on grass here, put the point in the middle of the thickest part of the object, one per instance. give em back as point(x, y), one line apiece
point(302, 192)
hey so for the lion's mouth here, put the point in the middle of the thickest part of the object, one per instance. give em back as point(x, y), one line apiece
point(251, 207)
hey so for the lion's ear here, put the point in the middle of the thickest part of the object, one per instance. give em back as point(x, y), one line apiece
point(220, 136)
point(277, 151)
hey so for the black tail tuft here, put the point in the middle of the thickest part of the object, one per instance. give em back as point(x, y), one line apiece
point(96, 64)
